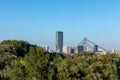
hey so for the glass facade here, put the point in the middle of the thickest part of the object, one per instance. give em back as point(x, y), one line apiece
point(59, 41)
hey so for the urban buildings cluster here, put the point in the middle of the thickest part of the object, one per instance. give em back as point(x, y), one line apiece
point(83, 46)
point(68, 49)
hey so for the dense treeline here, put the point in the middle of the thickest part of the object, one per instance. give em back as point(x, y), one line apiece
point(20, 60)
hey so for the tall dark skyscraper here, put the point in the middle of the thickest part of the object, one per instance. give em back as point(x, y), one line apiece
point(59, 41)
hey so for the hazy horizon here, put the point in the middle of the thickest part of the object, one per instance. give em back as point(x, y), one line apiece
point(37, 21)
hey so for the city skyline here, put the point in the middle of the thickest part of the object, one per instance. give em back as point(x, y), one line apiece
point(37, 21)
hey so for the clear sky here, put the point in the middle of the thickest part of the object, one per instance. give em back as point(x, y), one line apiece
point(37, 21)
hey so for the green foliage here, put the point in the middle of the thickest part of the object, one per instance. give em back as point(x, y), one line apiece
point(20, 60)
point(32, 67)
point(18, 48)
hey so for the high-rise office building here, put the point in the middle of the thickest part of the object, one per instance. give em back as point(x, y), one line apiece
point(79, 49)
point(95, 48)
point(59, 41)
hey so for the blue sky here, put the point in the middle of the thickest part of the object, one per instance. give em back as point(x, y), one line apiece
point(37, 21)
